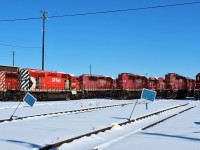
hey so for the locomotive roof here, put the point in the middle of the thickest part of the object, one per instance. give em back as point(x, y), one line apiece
point(133, 74)
point(9, 68)
point(179, 75)
point(198, 74)
point(45, 71)
point(11, 72)
point(92, 75)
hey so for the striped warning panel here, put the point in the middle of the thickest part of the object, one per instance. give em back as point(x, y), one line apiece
point(23, 80)
point(2, 81)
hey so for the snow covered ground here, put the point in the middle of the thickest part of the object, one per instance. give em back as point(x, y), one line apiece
point(36, 132)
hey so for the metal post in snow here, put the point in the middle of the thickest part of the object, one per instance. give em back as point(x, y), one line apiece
point(133, 109)
point(14, 111)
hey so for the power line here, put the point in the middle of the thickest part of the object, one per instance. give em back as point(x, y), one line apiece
point(19, 19)
point(18, 46)
point(105, 12)
point(125, 10)
point(93, 13)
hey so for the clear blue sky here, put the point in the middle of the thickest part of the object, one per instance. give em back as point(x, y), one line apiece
point(154, 41)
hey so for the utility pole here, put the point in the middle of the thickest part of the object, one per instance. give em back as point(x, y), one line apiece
point(90, 69)
point(13, 54)
point(43, 35)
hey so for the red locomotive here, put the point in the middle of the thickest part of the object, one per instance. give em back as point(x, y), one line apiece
point(153, 83)
point(130, 85)
point(197, 87)
point(8, 84)
point(176, 86)
point(161, 83)
point(48, 84)
point(190, 87)
point(95, 86)
point(161, 86)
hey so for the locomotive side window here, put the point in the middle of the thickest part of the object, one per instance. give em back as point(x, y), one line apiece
point(66, 84)
point(37, 82)
point(93, 78)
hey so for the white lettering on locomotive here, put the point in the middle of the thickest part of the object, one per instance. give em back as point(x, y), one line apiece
point(55, 80)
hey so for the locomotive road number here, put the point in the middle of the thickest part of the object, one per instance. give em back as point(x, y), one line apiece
point(55, 80)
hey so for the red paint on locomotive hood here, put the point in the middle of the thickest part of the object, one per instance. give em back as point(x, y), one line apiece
point(161, 83)
point(38, 80)
point(175, 82)
point(8, 80)
point(128, 81)
point(190, 84)
point(197, 86)
point(95, 82)
point(153, 83)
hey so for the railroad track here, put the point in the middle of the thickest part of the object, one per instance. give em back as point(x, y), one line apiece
point(121, 124)
point(63, 112)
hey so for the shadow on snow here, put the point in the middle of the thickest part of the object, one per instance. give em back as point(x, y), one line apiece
point(173, 136)
point(26, 144)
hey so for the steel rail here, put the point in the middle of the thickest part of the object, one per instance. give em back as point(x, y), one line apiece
point(63, 112)
point(109, 128)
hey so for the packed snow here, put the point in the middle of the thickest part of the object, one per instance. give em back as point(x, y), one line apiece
point(36, 132)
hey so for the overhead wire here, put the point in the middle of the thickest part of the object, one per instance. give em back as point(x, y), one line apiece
point(104, 12)
point(18, 46)
point(125, 10)
point(94, 13)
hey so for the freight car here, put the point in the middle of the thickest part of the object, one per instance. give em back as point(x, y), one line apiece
point(130, 86)
point(176, 86)
point(197, 87)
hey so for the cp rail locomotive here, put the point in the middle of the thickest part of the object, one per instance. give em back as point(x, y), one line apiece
point(197, 87)
point(49, 85)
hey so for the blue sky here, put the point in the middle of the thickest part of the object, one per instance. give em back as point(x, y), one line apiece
point(154, 41)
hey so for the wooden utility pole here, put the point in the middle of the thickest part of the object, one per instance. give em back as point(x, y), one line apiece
point(43, 35)
point(13, 54)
